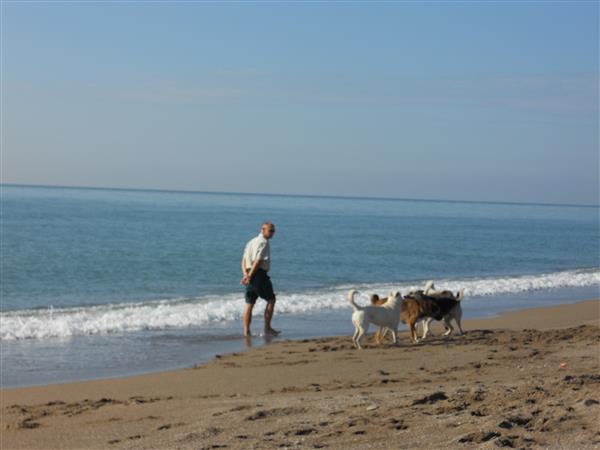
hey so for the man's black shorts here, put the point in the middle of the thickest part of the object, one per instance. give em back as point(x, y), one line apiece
point(259, 286)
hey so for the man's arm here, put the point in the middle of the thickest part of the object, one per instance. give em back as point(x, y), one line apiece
point(246, 278)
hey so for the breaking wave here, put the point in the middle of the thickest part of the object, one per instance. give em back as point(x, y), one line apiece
point(182, 313)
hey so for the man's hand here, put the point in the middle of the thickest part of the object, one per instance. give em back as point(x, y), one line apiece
point(245, 280)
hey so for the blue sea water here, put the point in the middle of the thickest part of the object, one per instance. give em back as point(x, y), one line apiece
point(101, 282)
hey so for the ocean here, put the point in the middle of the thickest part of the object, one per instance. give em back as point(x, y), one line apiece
point(102, 283)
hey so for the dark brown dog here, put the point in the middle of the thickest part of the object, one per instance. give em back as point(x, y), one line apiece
point(419, 306)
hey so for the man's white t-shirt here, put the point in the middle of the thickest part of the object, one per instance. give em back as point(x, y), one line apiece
point(258, 248)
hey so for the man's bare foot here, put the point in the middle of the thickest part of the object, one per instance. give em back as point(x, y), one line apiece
point(272, 332)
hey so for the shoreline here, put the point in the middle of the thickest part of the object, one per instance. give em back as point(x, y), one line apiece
point(54, 361)
point(527, 377)
point(237, 345)
point(554, 317)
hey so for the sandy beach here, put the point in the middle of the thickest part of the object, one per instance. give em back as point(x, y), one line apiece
point(526, 379)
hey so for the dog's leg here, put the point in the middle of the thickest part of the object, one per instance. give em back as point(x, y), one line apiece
point(395, 334)
point(413, 333)
point(384, 331)
point(382, 334)
point(378, 335)
point(426, 323)
point(457, 319)
point(448, 325)
point(362, 330)
point(355, 336)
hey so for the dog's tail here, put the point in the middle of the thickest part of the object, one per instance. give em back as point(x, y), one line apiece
point(460, 295)
point(351, 295)
point(429, 287)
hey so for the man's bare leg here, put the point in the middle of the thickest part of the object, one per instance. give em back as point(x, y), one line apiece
point(269, 310)
point(247, 319)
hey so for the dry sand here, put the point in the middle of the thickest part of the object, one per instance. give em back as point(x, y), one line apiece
point(499, 385)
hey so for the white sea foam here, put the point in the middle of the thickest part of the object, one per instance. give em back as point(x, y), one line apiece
point(174, 314)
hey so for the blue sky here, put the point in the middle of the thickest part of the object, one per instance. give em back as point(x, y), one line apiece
point(493, 101)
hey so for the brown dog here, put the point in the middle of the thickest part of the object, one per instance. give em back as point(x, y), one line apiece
point(419, 306)
point(377, 301)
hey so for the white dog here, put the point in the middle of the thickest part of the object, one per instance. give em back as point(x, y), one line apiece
point(386, 316)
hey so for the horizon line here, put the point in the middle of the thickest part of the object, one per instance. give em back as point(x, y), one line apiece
point(265, 194)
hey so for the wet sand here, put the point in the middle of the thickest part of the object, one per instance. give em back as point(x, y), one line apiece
point(526, 379)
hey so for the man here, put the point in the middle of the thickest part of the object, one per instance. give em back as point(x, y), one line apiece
point(256, 263)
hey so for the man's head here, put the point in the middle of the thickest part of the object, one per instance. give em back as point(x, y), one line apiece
point(268, 230)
